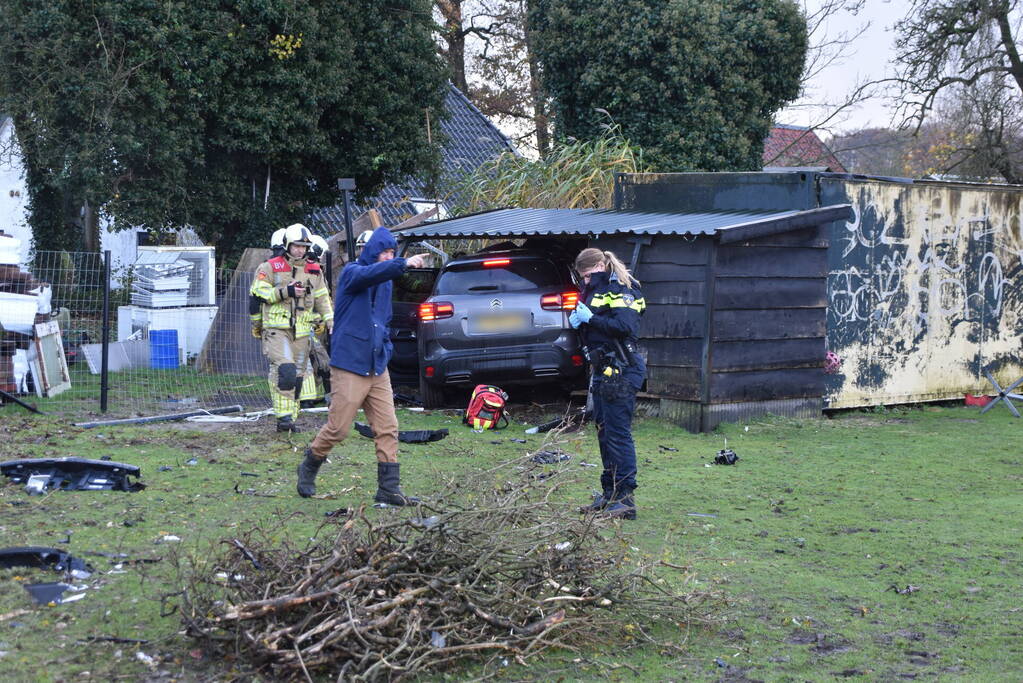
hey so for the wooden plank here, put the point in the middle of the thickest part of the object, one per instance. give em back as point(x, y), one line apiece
point(687, 293)
point(230, 347)
point(766, 385)
point(770, 292)
point(682, 383)
point(668, 272)
point(677, 250)
point(772, 261)
point(369, 220)
point(807, 237)
point(778, 323)
point(675, 352)
point(768, 355)
point(685, 414)
point(672, 320)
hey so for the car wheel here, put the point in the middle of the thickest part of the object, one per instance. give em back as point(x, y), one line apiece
point(431, 396)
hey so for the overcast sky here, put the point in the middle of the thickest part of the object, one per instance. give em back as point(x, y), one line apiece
point(869, 57)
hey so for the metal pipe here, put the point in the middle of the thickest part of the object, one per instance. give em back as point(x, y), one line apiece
point(104, 374)
point(159, 418)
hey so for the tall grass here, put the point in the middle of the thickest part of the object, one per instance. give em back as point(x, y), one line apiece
point(577, 174)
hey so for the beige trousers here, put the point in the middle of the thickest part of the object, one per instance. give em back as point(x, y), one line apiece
point(374, 395)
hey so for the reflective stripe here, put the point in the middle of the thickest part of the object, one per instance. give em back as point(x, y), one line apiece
point(320, 292)
point(613, 300)
point(283, 406)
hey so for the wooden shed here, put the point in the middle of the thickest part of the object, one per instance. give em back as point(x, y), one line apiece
point(736, 300)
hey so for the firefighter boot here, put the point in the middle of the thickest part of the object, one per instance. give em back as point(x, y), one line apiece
point(622, 506)
point(307, 470)
point(287, 424)
point(388, 488)
point(600, 501)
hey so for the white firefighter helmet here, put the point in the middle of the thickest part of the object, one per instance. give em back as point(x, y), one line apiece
point(277, 239)
point(297, 234)
point(318, 248)
point(363, 237)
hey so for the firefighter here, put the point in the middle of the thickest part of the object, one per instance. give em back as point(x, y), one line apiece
point(255, 303)
point(294, 301)
point(316, 387)
point(607, 318)
point(359, 354)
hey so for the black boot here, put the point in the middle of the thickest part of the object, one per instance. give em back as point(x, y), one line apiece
point(623, 506)
point(307, 470)
point(287, 424)
point(600, 501)
point(388, 488)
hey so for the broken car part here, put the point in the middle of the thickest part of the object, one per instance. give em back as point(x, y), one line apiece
point(550, 457)
point(44, 558)
point(726, 456)
point(410, 436)
point(72, 474)
point(160, 418)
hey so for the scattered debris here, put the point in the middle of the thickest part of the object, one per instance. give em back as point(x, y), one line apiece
point(726, 456)
point(700, 514)
point(903, 591)
point(247, 553)
point(164, 468)
point(667, 448)
point(550, 456)
point(113, 639)
point(410, 436)
point(45, 593)
point(168, 538)
point(516, 441)
point(45, 558)
point(569, 423)
point(72, 474)
point(159, 418)
point(340, 512)
point(192, 461)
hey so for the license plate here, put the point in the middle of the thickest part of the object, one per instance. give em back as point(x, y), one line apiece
point(504, 322)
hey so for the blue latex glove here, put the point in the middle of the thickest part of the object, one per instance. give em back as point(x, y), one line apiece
point(573, 320)
point(583, 312)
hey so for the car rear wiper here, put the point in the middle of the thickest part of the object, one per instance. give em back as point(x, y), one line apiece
point(483, 288)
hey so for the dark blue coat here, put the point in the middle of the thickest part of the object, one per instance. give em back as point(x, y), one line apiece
point(616, 315)
point(361, 339)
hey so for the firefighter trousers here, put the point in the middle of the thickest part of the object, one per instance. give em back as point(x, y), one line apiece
point(289, 357)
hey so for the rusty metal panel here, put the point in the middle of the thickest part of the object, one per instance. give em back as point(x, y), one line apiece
point(925, 288)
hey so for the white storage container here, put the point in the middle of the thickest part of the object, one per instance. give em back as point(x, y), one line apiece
point(202, 286)
point(192, 323)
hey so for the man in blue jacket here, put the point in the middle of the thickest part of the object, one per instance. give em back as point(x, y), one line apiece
point(360, 349)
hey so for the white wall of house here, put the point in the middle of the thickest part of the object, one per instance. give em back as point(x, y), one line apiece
point(13, 192)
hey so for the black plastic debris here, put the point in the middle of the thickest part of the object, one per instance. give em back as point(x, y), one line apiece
point(340, 512)
point(569, 423)
point(517, 440)
point(44, 558)
point(45, 593)
point(73, 474)
point(247, 553)
point(409, 436)
point(668, 448)
point(726, 456)
point(164, 468)
point(550, 457)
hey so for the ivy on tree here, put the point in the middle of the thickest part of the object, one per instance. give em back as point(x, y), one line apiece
point(695, 83)
point(172, 114)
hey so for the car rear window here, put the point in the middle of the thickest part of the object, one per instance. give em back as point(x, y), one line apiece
point(517, 276)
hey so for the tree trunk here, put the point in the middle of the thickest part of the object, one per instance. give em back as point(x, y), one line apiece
point(540, 120)
point(454, 38)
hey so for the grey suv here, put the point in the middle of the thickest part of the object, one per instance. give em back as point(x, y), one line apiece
point(499, 317)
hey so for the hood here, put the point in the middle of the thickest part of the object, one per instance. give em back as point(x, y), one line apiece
point(381, 240)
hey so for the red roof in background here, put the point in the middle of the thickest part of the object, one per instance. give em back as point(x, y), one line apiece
point(798, 146)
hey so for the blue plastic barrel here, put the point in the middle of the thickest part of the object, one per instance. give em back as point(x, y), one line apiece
point(163, 349)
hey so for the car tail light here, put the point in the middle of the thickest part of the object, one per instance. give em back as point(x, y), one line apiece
point(435, 311)
point(429, 371)
point(577, 360)
point(496, 262)
point(566, 301)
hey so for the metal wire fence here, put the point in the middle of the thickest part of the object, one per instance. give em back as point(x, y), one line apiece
point(159, 359)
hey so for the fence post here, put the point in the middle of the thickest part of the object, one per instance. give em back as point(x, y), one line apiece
point(328, 268)
point(104, 383)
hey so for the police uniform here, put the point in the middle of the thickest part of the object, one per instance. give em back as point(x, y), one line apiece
point(610, 337)
point(288, 324)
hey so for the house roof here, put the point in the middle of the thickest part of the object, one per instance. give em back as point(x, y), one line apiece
point(788, 145)
point(470, 139)
point(727, 226)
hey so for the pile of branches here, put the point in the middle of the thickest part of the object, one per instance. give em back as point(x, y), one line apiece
point(494, 568)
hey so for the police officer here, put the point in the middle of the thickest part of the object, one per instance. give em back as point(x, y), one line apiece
point(294, 300)
point(607, 318)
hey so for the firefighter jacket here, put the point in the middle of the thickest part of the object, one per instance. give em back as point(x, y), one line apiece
point(616, 316)
point(279, 311)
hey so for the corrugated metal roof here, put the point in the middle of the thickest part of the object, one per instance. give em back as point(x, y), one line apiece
point(592, 222)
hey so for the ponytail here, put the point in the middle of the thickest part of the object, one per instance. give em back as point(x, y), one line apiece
point(590, 257)
point(615, 265)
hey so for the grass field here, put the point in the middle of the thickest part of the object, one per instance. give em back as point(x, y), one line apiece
point(814, 537)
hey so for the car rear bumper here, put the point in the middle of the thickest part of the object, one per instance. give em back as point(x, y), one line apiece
point(527, 364)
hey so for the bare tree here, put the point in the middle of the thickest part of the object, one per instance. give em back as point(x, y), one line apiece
point(959, 61)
